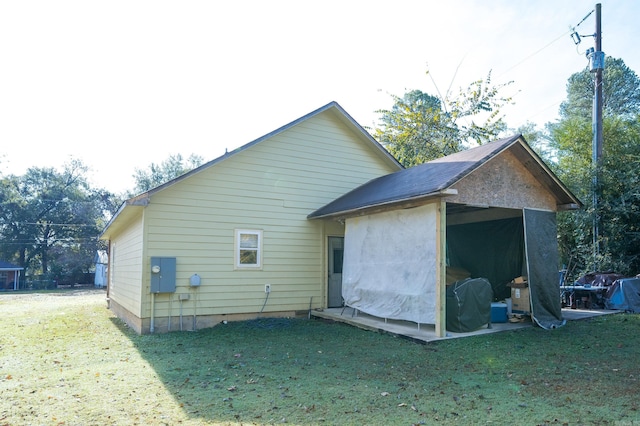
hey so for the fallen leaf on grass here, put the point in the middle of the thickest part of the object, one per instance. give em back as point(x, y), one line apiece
point(402, 404)
point(232, 388)
point(385, 394)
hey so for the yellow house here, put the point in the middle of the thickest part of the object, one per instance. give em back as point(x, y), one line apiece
point(231, 239)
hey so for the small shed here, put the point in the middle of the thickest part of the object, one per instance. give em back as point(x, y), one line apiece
point(101, 261)
point(488, 211)
point(9, 276)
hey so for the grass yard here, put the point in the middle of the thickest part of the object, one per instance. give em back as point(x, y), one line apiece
point(65, 360)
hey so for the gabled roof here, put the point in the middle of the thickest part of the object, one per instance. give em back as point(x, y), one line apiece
point(6, 266)
point(436, 178)
point(142, 200)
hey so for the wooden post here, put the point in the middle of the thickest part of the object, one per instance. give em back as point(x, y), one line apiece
point(441, 269)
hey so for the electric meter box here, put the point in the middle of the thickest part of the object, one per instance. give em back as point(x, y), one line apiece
point(163, 274)
point(596, 61)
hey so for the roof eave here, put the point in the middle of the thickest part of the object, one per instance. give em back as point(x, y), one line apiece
point(406, 202)
point(344, 116)
point(132, 202)
point(574, 203)
point(569, 206)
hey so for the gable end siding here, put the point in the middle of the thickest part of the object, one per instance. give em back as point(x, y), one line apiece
point(503, 182)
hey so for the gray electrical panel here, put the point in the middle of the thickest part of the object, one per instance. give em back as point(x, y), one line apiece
point(163, 274)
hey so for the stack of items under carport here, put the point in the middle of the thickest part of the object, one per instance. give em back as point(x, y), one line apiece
point(520, 299)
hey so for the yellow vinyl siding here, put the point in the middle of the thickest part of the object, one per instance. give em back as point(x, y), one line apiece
point(126, 262)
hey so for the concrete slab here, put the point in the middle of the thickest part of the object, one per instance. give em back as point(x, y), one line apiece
point(426, 332)
point(578, 314)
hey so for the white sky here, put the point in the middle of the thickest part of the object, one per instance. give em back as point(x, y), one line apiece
point(122, 84)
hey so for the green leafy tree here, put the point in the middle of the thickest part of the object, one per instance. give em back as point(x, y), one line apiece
point(420, 127)
point(618, 200)
point(46, 215)
point(620, 92)
point(157, 174)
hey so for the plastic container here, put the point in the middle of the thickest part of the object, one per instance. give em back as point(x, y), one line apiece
point(499, 312)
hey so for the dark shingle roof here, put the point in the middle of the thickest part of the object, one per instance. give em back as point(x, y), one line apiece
point(422, 180)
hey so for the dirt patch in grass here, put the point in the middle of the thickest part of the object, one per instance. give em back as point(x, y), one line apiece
point(64, 359)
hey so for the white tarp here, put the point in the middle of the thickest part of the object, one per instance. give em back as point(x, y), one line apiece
point(390, 264)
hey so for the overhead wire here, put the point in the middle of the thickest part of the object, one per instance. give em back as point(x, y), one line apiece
point(54, 224)
point(534, 53)
point(546, 46)
point(528, 57)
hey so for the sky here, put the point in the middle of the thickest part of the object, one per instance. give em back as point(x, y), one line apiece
point(123, 84)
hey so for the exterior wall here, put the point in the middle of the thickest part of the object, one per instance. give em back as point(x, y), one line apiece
point(198, 322)
point(125, 268)
point(132, 320)
point(271, 186)
point(503, 182)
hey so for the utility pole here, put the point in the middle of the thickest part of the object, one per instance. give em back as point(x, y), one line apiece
point(596, 66)
point(596, 61)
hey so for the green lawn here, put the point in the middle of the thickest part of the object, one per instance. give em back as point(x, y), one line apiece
point(65, 360)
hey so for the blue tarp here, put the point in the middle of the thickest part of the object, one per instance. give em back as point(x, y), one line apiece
point(624, 295)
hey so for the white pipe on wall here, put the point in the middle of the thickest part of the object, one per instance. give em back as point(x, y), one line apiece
point(153, 306)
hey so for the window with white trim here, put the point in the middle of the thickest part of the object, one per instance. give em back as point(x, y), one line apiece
point(248, 249)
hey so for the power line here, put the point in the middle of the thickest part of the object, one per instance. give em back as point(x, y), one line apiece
point(535, 53)
point(54, 224)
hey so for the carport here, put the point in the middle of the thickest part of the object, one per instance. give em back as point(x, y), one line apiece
point(488, 211)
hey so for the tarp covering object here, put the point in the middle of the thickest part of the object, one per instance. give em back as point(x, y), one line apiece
point(468, 305)
point(390, 264)
point(540, 235)
point(599, 279)
point(624, 294)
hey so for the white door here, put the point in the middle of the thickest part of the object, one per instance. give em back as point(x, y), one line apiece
point(336, 253)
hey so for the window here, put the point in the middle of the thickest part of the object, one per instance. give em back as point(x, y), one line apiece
point(248, 249)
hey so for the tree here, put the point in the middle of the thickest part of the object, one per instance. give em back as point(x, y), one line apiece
point(47, 214)
point(536, 138)
point(420, 127)
point(620, 92)
point(618, 210)
point(171, 168)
